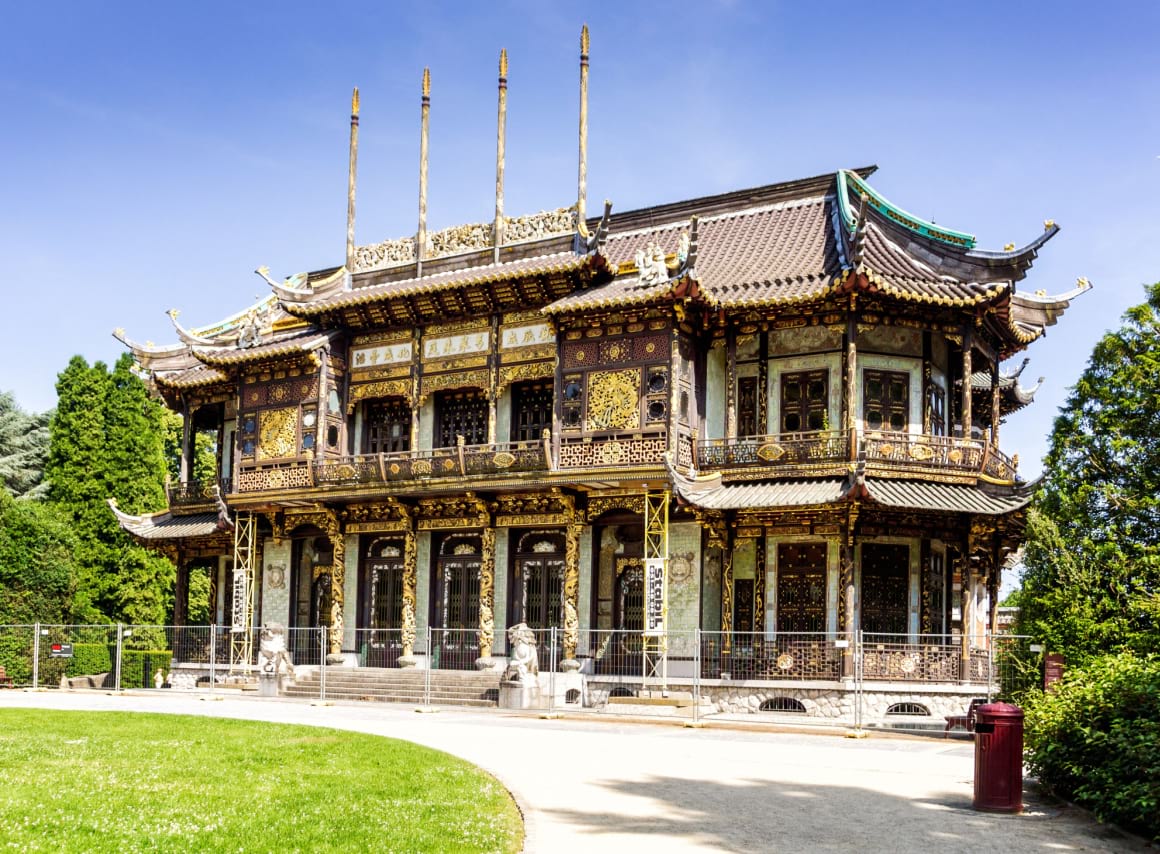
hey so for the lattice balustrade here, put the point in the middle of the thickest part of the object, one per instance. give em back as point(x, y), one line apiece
point(784, 655)
point(507, 456)
point(936, 661)
point(192, 492)
point(998, 465)
point(913, 449)
point(278, 476)
point(613, 451)
point(786, 449)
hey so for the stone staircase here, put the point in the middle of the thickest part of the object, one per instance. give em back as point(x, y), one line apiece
point(398, 685)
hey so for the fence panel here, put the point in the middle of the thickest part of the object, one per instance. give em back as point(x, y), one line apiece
point(18, 655)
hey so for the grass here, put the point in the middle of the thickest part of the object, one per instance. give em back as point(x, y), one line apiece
point(112, 781)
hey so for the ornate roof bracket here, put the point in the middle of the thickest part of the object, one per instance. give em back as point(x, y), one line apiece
point(186, 335)
point(687, 253)
point(858, 244)
point(594, 242)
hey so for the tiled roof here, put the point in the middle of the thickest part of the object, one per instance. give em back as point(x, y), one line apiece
point(166, 526)
point(743, 496)
point(295, 342)
point(916, 494)
point(560, 262)
point(195, 377)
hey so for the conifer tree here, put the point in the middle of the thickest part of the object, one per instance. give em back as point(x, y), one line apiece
point(23, 449)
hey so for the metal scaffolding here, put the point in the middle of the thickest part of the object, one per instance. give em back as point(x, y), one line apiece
point(654, 661)
point(242, 613)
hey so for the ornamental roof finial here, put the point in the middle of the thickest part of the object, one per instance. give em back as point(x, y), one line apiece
point(503, 62)
point(426, 82)
point(1048, 224)
point(354, 102)
point(584, 40)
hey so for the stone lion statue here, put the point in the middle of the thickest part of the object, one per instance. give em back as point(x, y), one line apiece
point(524, 664)
point(272, 654)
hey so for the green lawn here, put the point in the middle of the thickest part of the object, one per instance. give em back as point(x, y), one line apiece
point(72, 781)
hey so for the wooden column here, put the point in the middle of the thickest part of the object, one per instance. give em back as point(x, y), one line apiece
point(410, 592)
point(850, 389)
point(181, 592)
point(927, 383)
point(727, 591)
point(187, 445)
point(847, 616)
point(731, 383)
point(487, 595)
point(995, 403)
point(968, 346)
point(337, 592)
point(571, 594)
point(968, 610)
point(759, 570)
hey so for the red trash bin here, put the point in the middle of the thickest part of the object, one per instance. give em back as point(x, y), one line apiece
point(999, 758)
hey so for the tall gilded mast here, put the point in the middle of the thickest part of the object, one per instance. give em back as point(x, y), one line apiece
point(350, 181)
point(421, 239)
point(500, 136)
point(582, 181)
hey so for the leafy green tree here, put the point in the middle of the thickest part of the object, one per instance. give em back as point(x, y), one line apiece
point(1092, 564)
point(23, 449)
point(108, 442)
point(37, 569)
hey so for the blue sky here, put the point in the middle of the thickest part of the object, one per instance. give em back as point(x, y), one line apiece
point(155, 154)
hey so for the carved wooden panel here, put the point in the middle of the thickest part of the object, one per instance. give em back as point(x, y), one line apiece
point(801, 587)
point(885, 583)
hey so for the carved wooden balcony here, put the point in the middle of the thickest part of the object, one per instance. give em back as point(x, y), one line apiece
point(639, 448)
point(195, 494)
point(789, 450)
point(916, 450)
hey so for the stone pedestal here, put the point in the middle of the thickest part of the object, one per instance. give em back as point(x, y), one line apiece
point(520, 695)
point(268, 684)
point(408, 661)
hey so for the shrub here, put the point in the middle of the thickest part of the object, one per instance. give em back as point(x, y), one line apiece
point(1095, 739)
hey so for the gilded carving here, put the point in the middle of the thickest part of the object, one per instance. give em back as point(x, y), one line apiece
point(509, 374)
point(410, 586)
point(464, 379)
point(277, 433)
point(542, 224)
point(613, 400)
point(571, 590)
point(328, 521)
point(384, 254)
point(601, 504)
point(487, 593)
point(369, 391)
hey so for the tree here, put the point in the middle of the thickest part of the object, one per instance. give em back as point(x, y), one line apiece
point(23, 449)
point(108, 442)
point(1092, 578)
point(37, 569)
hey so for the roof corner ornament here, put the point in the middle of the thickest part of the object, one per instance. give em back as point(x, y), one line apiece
point(650, 263)
point(264, 272)
point(595, 241)
point(1008, 247)
point(859, 241)
point(1048, 224)
point(687, 249)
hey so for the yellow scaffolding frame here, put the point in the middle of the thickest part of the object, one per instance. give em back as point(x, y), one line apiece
point(655, 645)
point(242, 613)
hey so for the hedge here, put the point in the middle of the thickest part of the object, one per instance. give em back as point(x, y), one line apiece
point(1095, 739)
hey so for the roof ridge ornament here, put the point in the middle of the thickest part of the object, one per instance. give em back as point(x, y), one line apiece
point(892, 212)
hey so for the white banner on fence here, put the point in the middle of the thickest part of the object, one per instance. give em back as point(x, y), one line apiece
point(654, 597)
point(238, 612)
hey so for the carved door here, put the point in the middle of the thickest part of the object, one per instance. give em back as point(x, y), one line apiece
point(455, 605)
point(388, 427)
point(461, 413)
point(532, 410)
point(382, 608)
point(804, 401)
point(886, 400)
point(801, 587)
point(885, 590)
point(537, 588)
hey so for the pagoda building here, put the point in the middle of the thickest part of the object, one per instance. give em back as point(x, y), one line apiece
point(465, 429)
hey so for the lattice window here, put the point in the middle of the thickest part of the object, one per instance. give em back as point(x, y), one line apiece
point(747, 406)
point(885, 584)
point(936, 401)
point(388, 426)
point(804, 401)
point(537, 589)
point(886, 400)
point(783, 704)
point(456, 601)
point(383, 574)
point(913, 709)
point(630, 596)
point(531, 410)
point(461, 413)
point(801, 587)
point(743, 606)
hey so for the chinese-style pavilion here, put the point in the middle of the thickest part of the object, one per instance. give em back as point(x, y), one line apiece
point(458, 429)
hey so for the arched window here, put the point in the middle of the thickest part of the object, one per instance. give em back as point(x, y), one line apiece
point(783, 704)
point(537, 587)
point(915, 709)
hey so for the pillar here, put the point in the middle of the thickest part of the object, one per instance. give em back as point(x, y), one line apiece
point(968, 345)
point(571, 595)
point(486, 598)
point(410, 594)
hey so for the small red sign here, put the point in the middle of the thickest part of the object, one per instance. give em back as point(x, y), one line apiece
point(1052, 669)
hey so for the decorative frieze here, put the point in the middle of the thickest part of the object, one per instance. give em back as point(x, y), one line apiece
point(385, 254)
point(381, 354)
point(385, 388)
point(450, 346)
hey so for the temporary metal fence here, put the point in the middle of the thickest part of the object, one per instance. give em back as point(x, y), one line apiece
point(915, 683)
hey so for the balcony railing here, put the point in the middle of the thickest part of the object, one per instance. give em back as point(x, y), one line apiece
point(196, 493)
point(786, 449)
point(460, 461)
point(878, 448)
point(920, 450)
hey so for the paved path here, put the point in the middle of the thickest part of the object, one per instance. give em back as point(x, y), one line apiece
point(608, 786)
